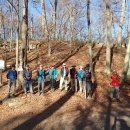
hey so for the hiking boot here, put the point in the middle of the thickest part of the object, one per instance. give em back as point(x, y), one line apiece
point(118, 100)
point(39, 93)
point(52, 89)
point(13, 96)
point(8, 96)
point(110, 99)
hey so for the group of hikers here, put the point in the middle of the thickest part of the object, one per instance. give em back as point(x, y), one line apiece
point(80, 79)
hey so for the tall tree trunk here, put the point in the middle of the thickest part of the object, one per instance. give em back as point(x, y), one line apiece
point(24, 32)
point(71, 25)
point(32, 36)
point(126, 62)
point(11, 25)
point(17, 37)
point(0, 22)
point(54, 19)
point(89, 37)
point(108, 35)
point(119, 37)
point(44, 26)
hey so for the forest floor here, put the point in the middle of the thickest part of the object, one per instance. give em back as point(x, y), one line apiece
point(66, 110)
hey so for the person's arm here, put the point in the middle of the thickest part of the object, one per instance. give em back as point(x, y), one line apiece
point(7, 75)
point(24, 75)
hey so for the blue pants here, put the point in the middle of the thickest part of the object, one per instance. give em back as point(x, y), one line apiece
point(52, 83)
point(27, 83)
point(41, 83)
point(11, 83)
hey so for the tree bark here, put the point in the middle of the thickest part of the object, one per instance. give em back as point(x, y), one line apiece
point(44, 26)
point(24, 32)
point(126, 62)
point(108, 35)
point(89, 37)
point(54, 19)
point(119, 37)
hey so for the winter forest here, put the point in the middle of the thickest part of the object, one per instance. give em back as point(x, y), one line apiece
point(65, 64)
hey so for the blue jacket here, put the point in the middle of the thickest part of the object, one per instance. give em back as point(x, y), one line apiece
point(81, 75)
point(12, 75)
point(27, 75)
point(40, 75)
point(53, 73)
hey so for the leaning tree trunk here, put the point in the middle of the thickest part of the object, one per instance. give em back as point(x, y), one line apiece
point(126, 62)
point(119, 37)
point(24, 32)
point(108, 35)
point(44, 26)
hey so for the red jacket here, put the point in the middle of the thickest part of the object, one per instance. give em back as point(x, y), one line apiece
point(115, 81)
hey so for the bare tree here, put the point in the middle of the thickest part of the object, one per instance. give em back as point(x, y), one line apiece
point(108, 35)
point(89, 36)
point(24, 32)
point(119, 37)
point(44, 26)
point(126, 62)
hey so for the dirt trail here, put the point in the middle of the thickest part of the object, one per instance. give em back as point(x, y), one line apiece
point(67, 110)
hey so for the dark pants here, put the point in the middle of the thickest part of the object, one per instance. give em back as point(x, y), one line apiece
point(88, 90)
point(52, 83)
point(27, 83)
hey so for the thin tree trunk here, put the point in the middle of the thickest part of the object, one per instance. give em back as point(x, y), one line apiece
point(44, 26)
point(0, 22)
point(24, 32)
point(119, 37)
point(11, 25)
point(54, 19)
point(17, 37)
point(126, 62)
point(108, 35)
point(71, 25)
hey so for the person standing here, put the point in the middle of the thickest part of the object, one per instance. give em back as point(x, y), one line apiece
point(12, 77)
point(64, 77)
point(27, 76)
point(81, 78)
point(88, 91)
point(114, 86)
point(73, 78)
point(53, 76)
point(41, 80)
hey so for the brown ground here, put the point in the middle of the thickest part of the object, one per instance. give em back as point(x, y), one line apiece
point(67, 110)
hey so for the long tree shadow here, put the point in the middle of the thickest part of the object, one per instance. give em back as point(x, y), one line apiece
point(96, 58)
point(31, 123)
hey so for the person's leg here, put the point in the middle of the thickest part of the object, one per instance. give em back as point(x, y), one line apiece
point(88, 85)
point(112, 89)
point(83, 86)
point(75, 81)
point(61, 83)
point(39, 84)
point(9, 87)
point(13, 87)
point(80, 86)
point(117, 93)
point(43, 84)
point(52, 84)
point(30, 86)
point(25, 87)
point(66, 82)
point(72, 84)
